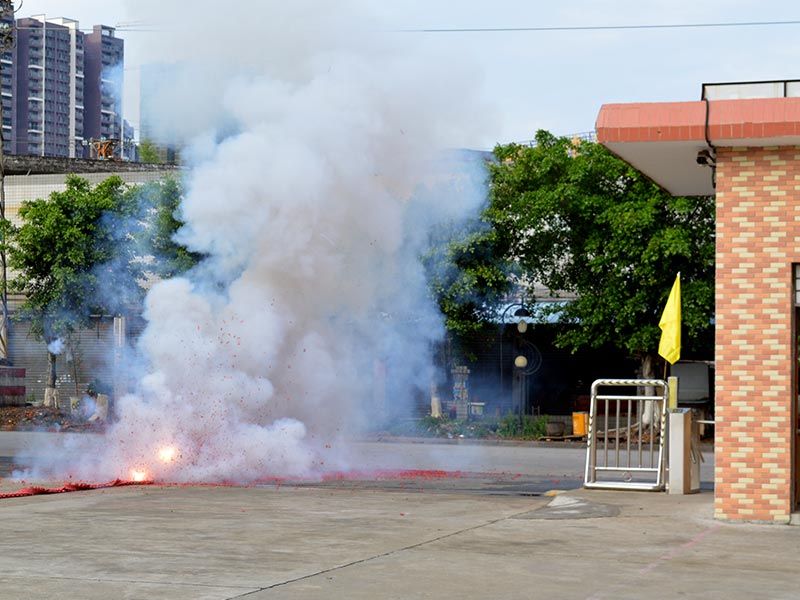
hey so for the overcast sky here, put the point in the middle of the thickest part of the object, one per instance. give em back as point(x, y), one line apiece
point(555, 80)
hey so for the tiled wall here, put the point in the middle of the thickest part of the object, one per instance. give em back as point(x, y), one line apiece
point(758, 240)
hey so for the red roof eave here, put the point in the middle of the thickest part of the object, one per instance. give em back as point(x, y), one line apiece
point(757, 121)
point(663, 139)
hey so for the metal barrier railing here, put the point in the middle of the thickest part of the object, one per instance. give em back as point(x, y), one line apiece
point(630, 454)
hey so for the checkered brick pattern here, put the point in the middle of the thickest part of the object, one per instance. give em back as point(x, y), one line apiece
point(758, 240)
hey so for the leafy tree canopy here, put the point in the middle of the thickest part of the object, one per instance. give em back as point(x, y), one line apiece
point(579, 221)
point(148, 152)
point(162, 200)
point(467, 274)
point(53, 255)
point(86, 250)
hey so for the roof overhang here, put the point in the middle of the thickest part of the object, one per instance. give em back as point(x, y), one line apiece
point(663, 139)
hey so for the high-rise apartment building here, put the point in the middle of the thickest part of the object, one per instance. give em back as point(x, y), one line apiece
point(156, 77)
point(71, 55)
point(104, 53)
point(7, 87)
point(49, 87)
point(63, 87)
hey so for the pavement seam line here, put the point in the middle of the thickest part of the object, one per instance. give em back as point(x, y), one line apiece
point(660, 561)
point(381, 555)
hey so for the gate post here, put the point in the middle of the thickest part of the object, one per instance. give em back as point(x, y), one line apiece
point(680, 450)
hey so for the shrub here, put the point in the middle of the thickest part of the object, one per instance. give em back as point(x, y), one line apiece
point(441, 427)
point(530, 427)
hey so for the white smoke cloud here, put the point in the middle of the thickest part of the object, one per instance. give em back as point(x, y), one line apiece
point(56, 346)
point(308, 131)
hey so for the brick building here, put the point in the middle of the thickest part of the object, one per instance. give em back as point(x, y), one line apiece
point(741, 141)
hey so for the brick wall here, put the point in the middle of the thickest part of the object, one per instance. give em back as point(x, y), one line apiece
point(758, 240)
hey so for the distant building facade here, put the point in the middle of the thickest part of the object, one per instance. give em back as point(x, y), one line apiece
point(104, 55)
point(154, 78)
point(49, 87)
point(62, 88)
point(7, 88)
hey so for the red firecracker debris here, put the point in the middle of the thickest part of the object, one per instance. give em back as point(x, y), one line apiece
point(69, 487)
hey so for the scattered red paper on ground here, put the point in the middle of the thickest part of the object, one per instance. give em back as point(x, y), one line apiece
point(35, 490)
point(380, 475)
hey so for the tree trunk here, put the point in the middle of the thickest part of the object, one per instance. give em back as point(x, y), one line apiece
point(51, 369)
point(50, 391)
point(649, 366)
point(649, 362)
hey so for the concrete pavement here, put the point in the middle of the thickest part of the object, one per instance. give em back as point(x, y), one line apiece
point(481, 534)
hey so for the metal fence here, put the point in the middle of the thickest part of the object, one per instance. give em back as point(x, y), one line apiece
point(626, 434)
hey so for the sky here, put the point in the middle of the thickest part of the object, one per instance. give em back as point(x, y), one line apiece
point(529, 80)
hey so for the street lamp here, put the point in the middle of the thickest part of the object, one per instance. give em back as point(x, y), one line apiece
point(527, 362)
point(520, 310)
point(520, 362)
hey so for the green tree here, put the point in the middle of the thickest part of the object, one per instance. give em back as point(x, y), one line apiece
point(56, 256)
point(467, 273)
point(467, 277)
point(148, 152)
point(87, 250)
point(162, 200)
point(585, 224)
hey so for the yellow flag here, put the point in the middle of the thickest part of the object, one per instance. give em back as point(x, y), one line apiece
point(670, 345)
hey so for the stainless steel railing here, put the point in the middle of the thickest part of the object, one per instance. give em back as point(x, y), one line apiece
point(629, 455)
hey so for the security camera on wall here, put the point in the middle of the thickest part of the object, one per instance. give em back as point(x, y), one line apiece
point(705, 158)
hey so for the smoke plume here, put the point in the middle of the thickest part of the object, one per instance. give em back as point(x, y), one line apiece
point(307, 128)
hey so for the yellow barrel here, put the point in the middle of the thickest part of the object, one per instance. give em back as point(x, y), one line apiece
point(580, 422)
